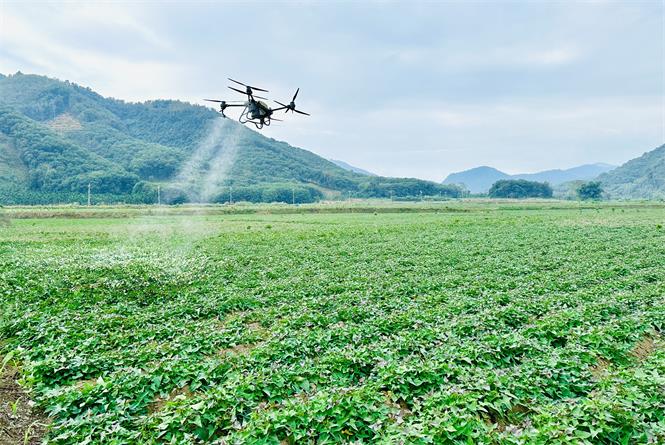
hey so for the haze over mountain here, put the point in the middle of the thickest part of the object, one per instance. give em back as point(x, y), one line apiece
point(57, 137)
point(476, 180)
point(480, 179)
point(351, 168)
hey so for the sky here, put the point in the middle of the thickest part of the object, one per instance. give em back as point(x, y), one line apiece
point(417, 89)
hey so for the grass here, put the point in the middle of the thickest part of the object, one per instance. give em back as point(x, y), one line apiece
point(452, 323)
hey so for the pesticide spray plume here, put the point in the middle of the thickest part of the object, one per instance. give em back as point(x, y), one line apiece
point(201, 179)
point(207, 170)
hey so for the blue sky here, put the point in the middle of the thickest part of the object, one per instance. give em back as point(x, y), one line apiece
point(401, 89)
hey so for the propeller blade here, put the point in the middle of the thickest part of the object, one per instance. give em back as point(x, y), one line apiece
point(239, 91)
point(276, 101)
point(295, 95)
point(260, 97)
point(302, 112)
point(214, 100)
point(275, 119)
point(239, 83)
point(254, 88)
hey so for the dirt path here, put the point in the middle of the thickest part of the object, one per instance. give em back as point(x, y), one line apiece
point(20, 423)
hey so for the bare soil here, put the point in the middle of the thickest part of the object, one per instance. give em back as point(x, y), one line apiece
point(160, 402)
point(20, 422)
point(600, 368)
point(645, 347)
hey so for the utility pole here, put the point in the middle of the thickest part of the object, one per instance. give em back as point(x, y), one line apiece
point(421, 196)
point(230, 194)
point(89, 196)
point(349, 196)
point(159, 195)
point(391, 195)
point(293, 195)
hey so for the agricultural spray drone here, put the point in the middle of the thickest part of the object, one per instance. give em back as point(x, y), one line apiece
point(256, 111)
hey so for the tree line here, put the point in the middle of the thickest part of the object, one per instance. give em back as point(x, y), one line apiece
point(521, 188)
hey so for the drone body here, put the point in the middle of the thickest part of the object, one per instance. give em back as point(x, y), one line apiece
point(255, 111)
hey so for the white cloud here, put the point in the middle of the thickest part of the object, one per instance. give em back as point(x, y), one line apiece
point(39, 48)
point(450, 86)
point(518, 56)
point(123, 16)
point(556, 56)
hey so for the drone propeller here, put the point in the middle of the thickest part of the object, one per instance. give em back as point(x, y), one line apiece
point(248, 86)
point(248, 94)
point(239, 91)
point(223, 101)
point(292, 106)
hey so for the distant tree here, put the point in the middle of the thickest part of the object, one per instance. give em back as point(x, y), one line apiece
point(520, 188)
point(590, 190)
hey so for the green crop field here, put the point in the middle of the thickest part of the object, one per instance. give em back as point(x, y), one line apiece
point(476, 323)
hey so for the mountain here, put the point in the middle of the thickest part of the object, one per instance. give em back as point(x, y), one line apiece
point(351, 168)
point(640, 178)
point(555, 177)
point(56, 138)
point(476, 180)
point(480, 179)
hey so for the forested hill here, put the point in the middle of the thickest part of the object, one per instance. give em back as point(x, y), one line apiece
point(480, 179)
point(57, 137)
point(640, 178)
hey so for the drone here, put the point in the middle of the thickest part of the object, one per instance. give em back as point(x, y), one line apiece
point(256, 111)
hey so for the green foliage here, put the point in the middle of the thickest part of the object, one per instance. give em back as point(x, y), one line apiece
point(520, 188)
point(55, 164)
point(487, 325)
point(286, 193)
point(640, 178)
point(379, 187)
point(590, 191)
point(148, 160)
point(115, 144)
point(12, 170)
point(16, 195)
